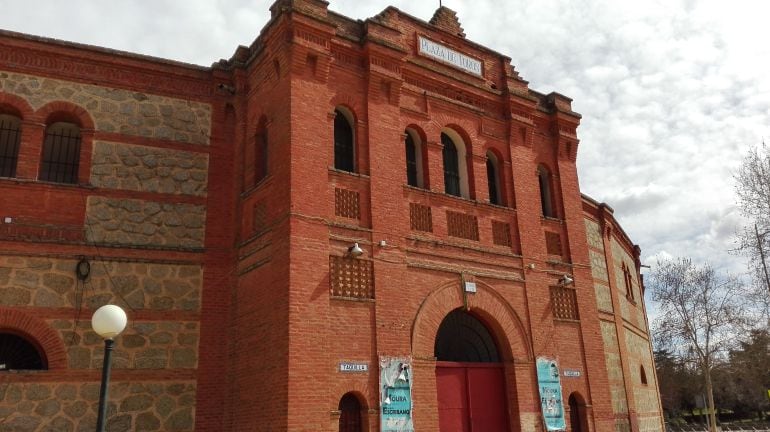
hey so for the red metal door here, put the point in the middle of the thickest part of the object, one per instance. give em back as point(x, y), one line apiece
point(452, 392)
point(471, 397)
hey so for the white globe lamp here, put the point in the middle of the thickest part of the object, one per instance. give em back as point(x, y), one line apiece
point(108, 321)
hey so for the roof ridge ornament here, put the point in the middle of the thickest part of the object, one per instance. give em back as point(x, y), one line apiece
point(446, 19)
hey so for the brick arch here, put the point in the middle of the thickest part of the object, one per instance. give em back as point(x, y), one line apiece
point(486, 303)
point(64, 111)
point(349, 104)
point(359, 390)
point(39, 332)
point(464, 127)
point(15, 105)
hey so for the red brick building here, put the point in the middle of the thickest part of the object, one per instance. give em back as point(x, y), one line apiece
point(280, 224)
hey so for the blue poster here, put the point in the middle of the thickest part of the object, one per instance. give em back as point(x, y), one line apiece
point(396, 395)
point(550, 394)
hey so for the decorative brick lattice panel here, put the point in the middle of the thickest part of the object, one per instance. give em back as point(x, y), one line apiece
point(462, 225)
point(564, 302)
point(350, 277)
point(501, 233)
point(420, 217)
point(346, 203)
point(259, 223)
point(553, 243)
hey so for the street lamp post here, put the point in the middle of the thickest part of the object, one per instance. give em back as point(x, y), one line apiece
point(108, 321)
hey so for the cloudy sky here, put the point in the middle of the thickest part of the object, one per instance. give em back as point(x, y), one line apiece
point(672, 92)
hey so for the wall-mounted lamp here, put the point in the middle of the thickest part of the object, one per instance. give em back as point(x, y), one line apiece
point(355, 251)
point(82, 269)
point(565, 280)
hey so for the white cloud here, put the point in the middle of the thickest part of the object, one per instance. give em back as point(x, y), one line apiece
point(671, 92)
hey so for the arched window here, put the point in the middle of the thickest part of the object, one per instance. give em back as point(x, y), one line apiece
point(350, 414)
point(260, 152)
point(10, 136)
point(411, 160)
point(642, 375)
point(546, 197)
point(493, 179)
point(344, 156)
point(17, 353)
point(628, 282)
point(414, 163)
point(451, 166)
point(61, 153)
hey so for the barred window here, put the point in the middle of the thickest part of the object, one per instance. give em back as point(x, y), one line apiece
point(493, 179)
point(451, 166)
point(546, 196)
point(344, 155)
point(411, 161)
point(10, 135)
point(18, 353)
point(61, 153)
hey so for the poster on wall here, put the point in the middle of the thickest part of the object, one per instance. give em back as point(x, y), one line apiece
point(550, 394)
point(396, 394)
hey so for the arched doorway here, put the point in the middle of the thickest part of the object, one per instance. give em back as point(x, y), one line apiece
point(470, 379)
point(577, 413)
point(350, 413)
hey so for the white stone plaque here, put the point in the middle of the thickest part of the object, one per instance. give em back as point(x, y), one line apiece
point(448, 55)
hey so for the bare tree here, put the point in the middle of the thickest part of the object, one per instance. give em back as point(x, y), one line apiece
point(701, 311)
point(753, 189)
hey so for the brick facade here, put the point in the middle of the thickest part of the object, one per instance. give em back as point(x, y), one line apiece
point(208, 204)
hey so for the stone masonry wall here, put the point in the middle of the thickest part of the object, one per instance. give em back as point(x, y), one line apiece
point(148, 169)
point(142, 345)
point(69, 407)
point(614, 367)
point(117, 110)
point(630, 311)
point(144, 223)
point(50, 282)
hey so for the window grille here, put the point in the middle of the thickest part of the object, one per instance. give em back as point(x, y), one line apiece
point(501, 233)
point(10, 136)
point(346, 203)
point(451, 166)
point(17, 353)
point(564, 301)
point(61, 153)
point(553, 243)
point(351, 278)
point(420, 218)
point(462, 225)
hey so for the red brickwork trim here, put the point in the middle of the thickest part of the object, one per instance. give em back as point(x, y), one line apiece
point(504, 323)
point(12, 104)
point(53, 111)
point(40, 334)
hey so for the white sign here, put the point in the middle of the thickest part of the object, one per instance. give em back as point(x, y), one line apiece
point(448, 55)
point(470, 287)
point(571, 373)
point(353, 367)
